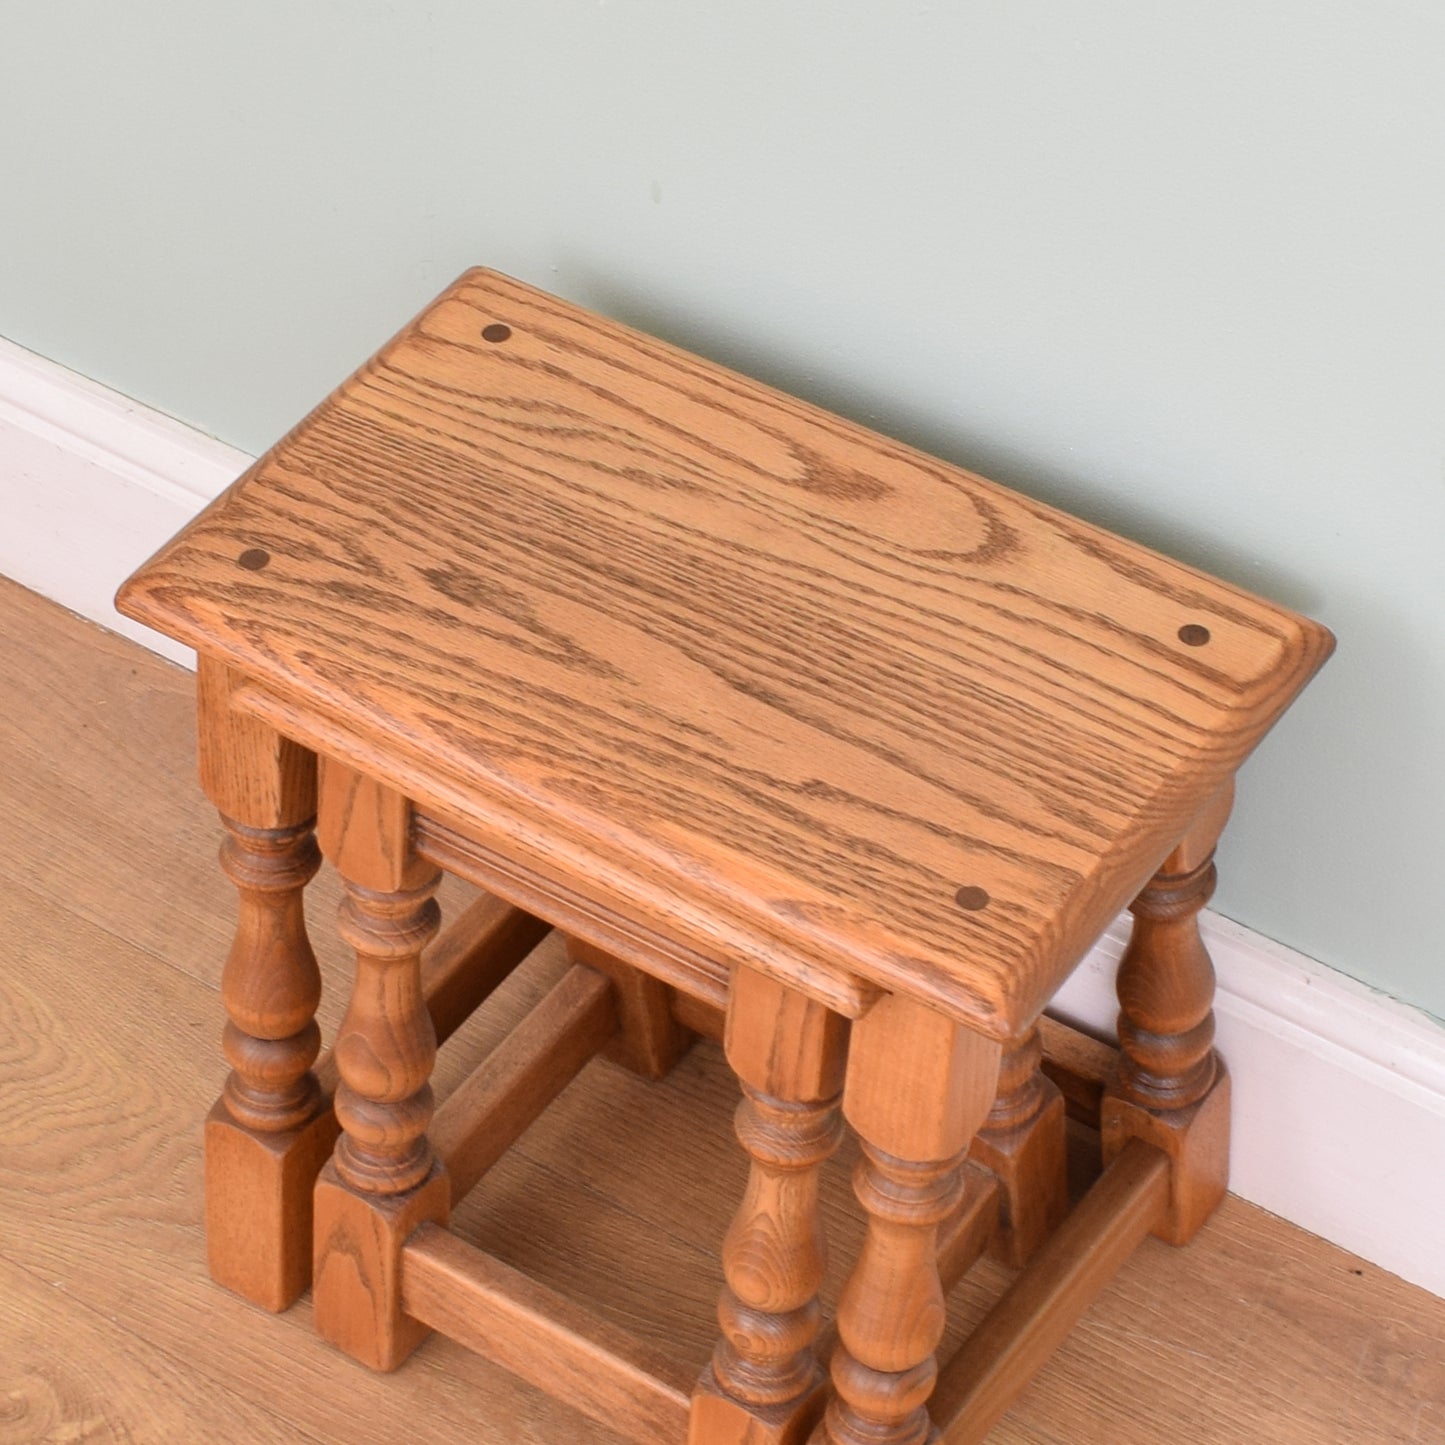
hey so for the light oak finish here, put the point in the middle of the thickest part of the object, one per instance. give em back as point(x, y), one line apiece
point(384, 1178)
point(271, 1129)
point(1170, 1087)
point(259, 1222)
point(1022, 1141)
point(247, 769)
point(694, 977)
point(739, 672)
point(650, 1039)
point(962, 1238)
point(764, 1385)
point(466, 965)
point(713, 682)
point(473, 958)
point(542, 1337)
point(699, 1015)
point(387, 1045)
point(1045, 1302)
point(111, 1330)
point(968, 1231)
point(919, 1087)
point(490, 1110)
point(360, 1236)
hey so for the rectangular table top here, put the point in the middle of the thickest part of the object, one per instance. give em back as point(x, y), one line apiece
point(787, 690)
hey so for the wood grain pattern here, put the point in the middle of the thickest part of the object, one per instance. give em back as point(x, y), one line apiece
point(247, 769)
point(1022, 1142)
point(271, 1129)
point(490, 1110)
point(101, 1198)
point(472, 958)
point(1170, 1088)
point(365, 830)
point(386, 1046)
point(764, 1384)
point(356, 1295)
point(259, 1189)
point(543, 1337)
point(271, 983)
point(750, 674)
point(962, 1238)
point(260, 1183)
point(384, 1178)
point(69, 1375)
point(1257, 1332)
point(650, 1040)
point(918, 1089)
point(692, 974)
point(1032, 1319)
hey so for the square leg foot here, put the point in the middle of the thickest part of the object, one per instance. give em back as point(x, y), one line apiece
point(357, 1285)
point(1031, 1166)
point(258, 1205)
point(1196, 1140)
point(719, 1419)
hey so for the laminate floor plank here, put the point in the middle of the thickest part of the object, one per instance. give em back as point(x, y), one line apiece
point(69, 1374)
point(116, 920)
point(99, 1047)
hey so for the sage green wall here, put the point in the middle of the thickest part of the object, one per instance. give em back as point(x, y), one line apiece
point(1178, 267)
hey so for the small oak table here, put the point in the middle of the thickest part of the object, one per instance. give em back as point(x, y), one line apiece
point(804, 739)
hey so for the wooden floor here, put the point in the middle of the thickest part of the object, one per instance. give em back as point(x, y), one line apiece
point(115, 921)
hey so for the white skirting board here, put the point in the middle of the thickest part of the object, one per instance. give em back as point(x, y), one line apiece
point(1339, 1092)
point(91, 483)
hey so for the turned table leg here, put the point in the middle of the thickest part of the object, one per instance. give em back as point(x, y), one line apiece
point(1171, 1089)
point(765, 1385)
point(271, 1130)
point(384, 1179)
point(919, 1087)
point(1023, 1143)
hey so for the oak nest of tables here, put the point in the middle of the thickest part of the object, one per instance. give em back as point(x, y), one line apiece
point(804, 740)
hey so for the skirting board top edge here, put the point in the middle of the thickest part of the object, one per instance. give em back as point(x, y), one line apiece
point(1362, 1023)
point(131, 440)
point(1289, 994)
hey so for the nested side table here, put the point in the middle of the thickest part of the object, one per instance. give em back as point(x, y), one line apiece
point(803, 739)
